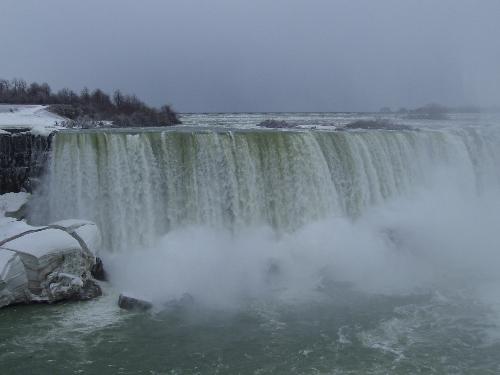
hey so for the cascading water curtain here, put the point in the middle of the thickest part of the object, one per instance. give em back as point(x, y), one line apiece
point(139, 186)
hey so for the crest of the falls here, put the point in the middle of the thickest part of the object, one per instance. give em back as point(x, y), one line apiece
point(139, 185)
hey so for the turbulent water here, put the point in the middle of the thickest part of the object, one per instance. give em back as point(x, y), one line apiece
point(314, 250)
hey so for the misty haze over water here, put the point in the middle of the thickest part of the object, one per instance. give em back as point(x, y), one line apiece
point(287, 226)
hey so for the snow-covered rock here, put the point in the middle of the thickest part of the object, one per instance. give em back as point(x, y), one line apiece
point(48, 263)
point(86, 230)
point(13, 279)
point(10, 227)
point(9, 204)
point(12, 202)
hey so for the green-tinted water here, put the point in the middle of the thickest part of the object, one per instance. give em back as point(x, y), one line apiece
point(344, 333)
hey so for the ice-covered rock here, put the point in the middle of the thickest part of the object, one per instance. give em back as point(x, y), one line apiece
point(10, 227)
point(13, 278)
point(86, 230)
point(47, 264)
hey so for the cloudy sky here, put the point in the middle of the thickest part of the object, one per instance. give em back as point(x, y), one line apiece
point(260, 55)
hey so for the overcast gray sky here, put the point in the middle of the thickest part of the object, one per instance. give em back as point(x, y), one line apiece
point(260, 55)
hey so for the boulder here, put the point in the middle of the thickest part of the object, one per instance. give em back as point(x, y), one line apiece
point(128, 302)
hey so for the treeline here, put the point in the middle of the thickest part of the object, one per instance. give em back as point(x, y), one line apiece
point(88, 107)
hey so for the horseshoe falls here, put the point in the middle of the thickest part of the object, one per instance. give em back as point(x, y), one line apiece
point(142, 185)
point(312, 250)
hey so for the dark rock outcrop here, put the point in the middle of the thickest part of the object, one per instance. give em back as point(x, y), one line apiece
point(23, 157)
point(375, 124)
point(97, 270)
point(133, 304)
point(275, 124)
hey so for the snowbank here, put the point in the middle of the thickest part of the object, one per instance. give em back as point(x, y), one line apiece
point(35, 118)
point(12, 202)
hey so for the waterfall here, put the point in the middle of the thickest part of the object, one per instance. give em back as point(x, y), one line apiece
point(138, 186)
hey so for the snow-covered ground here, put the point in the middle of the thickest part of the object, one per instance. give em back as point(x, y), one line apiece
point(35, 117)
